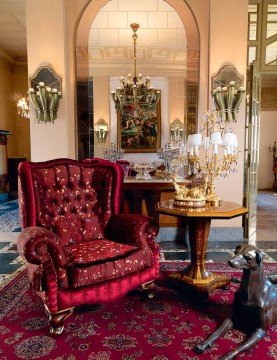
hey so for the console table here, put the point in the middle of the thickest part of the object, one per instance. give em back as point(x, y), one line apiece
point(135, 191)
point(195, 274)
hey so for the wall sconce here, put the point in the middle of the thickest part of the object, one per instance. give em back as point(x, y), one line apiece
point(22, 104)
point(101, 130)
point(45, 94)
point(228, 92)
point(177, 132)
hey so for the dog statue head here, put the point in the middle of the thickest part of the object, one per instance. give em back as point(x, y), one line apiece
point(246, 257)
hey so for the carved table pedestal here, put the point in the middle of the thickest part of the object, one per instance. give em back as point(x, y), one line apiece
point(199, 221)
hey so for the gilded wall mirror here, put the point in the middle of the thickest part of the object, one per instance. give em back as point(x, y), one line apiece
point(225, 75)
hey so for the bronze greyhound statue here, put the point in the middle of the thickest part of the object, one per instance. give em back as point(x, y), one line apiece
point(255, 302)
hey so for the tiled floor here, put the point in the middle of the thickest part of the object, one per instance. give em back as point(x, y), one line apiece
point(218, 251)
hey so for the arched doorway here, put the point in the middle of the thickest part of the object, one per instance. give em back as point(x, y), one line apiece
point(169, 48)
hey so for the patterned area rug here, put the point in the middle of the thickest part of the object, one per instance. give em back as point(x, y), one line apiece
point(134, 328)
point(9, 216)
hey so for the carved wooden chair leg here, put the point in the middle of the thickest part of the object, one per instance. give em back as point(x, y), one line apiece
point(148, 288)
point(56, 320)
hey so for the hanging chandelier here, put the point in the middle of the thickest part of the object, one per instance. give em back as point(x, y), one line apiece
point(135, 98)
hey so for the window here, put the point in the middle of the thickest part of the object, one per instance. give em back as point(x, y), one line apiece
point(252, 51)
point(271, 54)
point(271, 26)
point(252, 22)
point(262, 33)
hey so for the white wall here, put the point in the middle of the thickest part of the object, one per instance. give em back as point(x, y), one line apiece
point(268, 134)
point(48, 44)
point(228, 44)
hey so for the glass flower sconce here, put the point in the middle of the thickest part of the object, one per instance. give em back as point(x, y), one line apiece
point(23, 106)
point(101, 130)
point(228, 92)
point(177, 132)
point(45, 94)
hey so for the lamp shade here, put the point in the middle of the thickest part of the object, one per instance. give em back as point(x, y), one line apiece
point(216, 138)
point(230, 139)
point(235, 141)
point(195, 139)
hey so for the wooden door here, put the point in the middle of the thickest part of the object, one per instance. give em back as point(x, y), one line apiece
point(252, 151)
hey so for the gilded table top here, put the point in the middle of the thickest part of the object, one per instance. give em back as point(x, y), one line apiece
point(227, 210)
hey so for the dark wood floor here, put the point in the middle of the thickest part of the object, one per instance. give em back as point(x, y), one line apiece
point(267, 210)
point(267, 217)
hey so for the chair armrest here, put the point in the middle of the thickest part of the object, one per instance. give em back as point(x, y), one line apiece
point(133, 229)
point(37, 245)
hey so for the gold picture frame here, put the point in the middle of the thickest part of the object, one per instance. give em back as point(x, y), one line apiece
point(139, 135)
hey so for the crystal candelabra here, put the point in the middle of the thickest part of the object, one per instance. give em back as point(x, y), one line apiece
point(213, 164)
point(113, 153)
point(174, 157)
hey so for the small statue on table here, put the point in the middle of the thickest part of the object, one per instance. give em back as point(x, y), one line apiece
point(189, 197)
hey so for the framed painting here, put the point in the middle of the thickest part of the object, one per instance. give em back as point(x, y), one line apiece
point(139, 134)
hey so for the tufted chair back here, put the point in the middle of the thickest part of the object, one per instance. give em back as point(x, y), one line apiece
point(73, 199)
point(79, 249)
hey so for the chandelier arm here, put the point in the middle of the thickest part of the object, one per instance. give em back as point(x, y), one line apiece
point(135, 56)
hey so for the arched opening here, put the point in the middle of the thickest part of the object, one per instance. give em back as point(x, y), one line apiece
point(168, 51)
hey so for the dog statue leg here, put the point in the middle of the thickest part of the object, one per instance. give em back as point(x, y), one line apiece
point(257, 335)
point(272, 278)
point(225, 326)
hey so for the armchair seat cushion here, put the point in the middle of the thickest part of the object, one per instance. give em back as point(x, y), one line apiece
point(96, 251)
point(103, 260)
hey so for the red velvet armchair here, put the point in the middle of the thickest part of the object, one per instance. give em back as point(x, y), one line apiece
point(79, 249)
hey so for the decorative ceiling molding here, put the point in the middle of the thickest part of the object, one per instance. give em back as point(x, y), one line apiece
point(149, 54)
point(153, 61)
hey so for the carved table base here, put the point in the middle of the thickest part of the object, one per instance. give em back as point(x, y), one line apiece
point(196, 274)
point(213, 282)
point(199, 221)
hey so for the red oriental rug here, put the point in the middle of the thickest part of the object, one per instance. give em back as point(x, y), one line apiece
point(134, 328)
